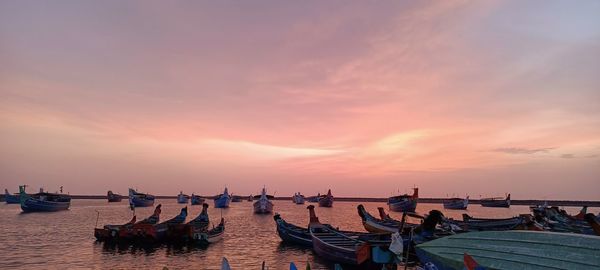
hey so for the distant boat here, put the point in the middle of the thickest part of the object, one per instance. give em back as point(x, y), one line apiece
point(235, 198)
point(113, 197)
point(249, 198)
point(182, 198)
point(513, 250)
point(456, 203)
point(43, 201)
point(298, 198)
point(314, 199)
point(404, 203)
point(137, 199)
point(326, 200)
point(496, 202)
point(11, 198)
point(263, 205)
point(196, 200)
point(222, 200)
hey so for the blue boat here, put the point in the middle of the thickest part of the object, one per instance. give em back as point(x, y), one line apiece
point(404, 203)
point(223, 200)
point(10, 198)
point(43, 201)
point(137, 199)
point(196, 200)
point(182, 198)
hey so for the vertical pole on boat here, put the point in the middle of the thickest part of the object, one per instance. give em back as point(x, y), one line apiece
point(97, 216)
point(402, 222)
point(410, 236)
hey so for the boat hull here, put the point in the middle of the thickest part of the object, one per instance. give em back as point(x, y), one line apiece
point(182, 199)
point(196, 200)
point(354, 255)
point(403, 206)
point(263, 207)
point(495, 203)
point(35, 205)
point(139, 202)
point(460, 204)
point(222, 202)
point(326, 202)
point(12, 199)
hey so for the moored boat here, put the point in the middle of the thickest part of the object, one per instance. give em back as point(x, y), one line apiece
point(182, 198)
point(513, 250)
point(128, 233)
point(376, 225)
point(456, 203)
point(222, 200)
point(236, 198)
point(196, 200)
point(11, 198)
point(404, 203)
point(488, 224)
point(314, 199)
point(326, 200)
point(137, 199)
point(250, 198)
point(154, 233)
point(292, 234)
point(263, 205)
point(211, 236)
point(184, 232)
point(298, 198)
point(113, 197)
point(43, 201)
point(496, 202)
point(111, 232)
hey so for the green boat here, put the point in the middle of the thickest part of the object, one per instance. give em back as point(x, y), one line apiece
point(525, 250)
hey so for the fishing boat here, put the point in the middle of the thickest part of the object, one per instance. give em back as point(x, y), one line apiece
point(496, 202)
point(513, 250)
point(111, 232)
point(137, 199)
point(488, 224)
point(298, 198)
point(404, 203)
point(11, 198)
point(558, 220)
point(341, 247)
point(377, 225)
point(182, 198)
point(263, 205)
point(196, 200)
point(250, 198)
point(314, 199)
point(113, 197)
point(326, 200)
point(211, 236)
point(128, 233)
point(222, 200)
point(236, 198)
point(153, 233)
point(292, 234)
point(43, 201)
point(456, 203)
point(182, 232)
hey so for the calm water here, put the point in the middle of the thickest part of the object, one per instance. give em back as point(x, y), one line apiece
point(64, 240)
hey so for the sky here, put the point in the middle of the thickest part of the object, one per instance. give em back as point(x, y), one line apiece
point(368, 98)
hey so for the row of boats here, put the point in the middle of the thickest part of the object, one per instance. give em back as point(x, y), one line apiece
point(528, 241)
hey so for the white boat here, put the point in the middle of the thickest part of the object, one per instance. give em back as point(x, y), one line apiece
point(263, 205)
point(298, 198)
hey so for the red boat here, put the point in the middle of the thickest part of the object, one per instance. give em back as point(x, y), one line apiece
point(129, 233)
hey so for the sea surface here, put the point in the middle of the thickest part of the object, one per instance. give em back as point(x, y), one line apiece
point(65, 240)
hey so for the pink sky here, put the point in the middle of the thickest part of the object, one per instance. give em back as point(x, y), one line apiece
point(365, 98)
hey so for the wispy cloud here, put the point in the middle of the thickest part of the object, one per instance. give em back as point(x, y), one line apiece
point(527, 151)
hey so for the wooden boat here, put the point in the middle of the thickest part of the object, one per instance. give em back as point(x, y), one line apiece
point(128, 233)
point(292, 234)
point(111, 232)
point(488, 224)
point(496, 202)
point(263, 205)
point(137, 199)
point(404, 203)
point(298, 198)
point(11, 198)
point(182, 198)
point(326, 200)
point(377, 225)
point(113, 197)
point(456, 203)
point(183, 232)
point(341, 247)
point(43, 201)
point(148, 232)
point(208, 237)
point(558, 220)
point(222, 200)
point(514, 250)
point(196, 200)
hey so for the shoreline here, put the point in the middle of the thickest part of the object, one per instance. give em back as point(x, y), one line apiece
point(575, 203)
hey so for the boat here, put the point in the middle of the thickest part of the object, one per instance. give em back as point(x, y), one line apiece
point(594, 223)
point(153, 233)
point(250, 198)
point(196, 200)
point(182, 198)
point(326, 200)
point(111, 232)
point(208, 237)
point(235, 198)
point(456, 203)
point(558, 220)
point(263, 205)
point(496, 202)
point(292, 234)
point(43, 201)
point(137, 199)
point(183, 232)
point(340, 247)
point(298, 198)
point(11, 198)
point(314, 199)
point(488, 224)
point(128, 233)
point(404, 203)
point(113, 197)
point(225, 264)
point(377, 225)
point(222, 200)
point(513, 250)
